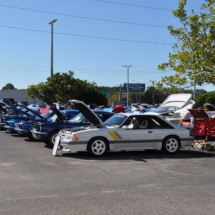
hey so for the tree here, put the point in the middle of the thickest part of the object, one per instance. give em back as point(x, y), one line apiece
point(193, 59)
point(8, 86)
point(63, 87)
point(205, 98)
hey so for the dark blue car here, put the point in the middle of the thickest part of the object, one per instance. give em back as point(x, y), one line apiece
point(24, 127)
point(48, 131)
point(20, 112)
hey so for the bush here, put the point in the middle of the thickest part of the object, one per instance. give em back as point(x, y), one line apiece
point(205, 98)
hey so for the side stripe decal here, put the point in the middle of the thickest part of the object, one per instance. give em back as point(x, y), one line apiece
point(113, 135)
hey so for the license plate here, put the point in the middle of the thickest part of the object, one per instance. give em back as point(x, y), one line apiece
point(57, 141)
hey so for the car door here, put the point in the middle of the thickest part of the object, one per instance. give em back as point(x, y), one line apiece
point(161, 129)
point(138, 137)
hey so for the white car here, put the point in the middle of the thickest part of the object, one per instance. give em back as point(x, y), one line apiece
point(122, 131)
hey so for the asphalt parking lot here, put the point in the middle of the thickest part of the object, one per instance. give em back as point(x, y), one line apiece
point(32, 181)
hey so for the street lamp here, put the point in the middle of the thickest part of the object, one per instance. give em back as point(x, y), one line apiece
point(127, 81)
point(51, 23)
point(153, 82)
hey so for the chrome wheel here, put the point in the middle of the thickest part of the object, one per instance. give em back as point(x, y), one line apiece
point(171, 145)
point(97, 147)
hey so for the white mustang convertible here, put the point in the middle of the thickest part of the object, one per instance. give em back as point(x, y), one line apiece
point(122, 131)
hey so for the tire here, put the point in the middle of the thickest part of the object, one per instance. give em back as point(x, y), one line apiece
point(97, 147)
point(171, 145)
point(32, 136)
point(51, 138)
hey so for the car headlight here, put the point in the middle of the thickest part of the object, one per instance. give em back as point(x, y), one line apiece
point(68, 136)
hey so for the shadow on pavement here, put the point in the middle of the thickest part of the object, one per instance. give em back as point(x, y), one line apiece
point(138, 155)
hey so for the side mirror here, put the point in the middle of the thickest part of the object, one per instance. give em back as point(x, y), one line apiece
point(86, 121)
point(124, 127)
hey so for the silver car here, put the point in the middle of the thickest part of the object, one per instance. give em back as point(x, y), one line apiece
point(122, 131)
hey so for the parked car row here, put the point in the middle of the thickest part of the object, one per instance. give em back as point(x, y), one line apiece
point(98, 131)
point(123, 131)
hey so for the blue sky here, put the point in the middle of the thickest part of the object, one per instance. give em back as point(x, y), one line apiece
point(93, 38)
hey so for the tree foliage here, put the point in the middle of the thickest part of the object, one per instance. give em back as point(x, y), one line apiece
point(205, 98)
point(8, 86)
point(64, 87)
point(193, 57)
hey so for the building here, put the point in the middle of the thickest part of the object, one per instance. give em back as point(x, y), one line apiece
point(18, 96)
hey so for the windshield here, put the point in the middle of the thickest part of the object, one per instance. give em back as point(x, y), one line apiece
point(116, 119)
point(159, 110)
point(178, 115)
point(211, 115)
point(79, 118)
point(171, 108)
point(53, 118)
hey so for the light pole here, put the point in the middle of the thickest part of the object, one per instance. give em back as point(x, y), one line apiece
point(153, 82)
point(127, 81)
point(51, 23)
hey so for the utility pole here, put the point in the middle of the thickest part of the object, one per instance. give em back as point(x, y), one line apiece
point(51, 67)
point(153, 83)
point(127, 82)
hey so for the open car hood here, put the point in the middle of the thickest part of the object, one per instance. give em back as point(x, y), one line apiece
point(209, 106)
point(89, 115)
point(32, 111)
point(136, 107)
point(198, 113)
point(19, 111)
point(49, 102)
point(178, 100)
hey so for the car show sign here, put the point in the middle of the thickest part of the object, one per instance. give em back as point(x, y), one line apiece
point(134, 87)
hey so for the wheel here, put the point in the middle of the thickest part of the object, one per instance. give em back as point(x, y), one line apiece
point(51, 138)
point(97, 147)
point(171, 145)
point(33, 136)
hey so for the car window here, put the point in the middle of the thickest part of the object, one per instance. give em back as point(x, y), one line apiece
point(211, 115)
point(158, 123)
point(72, 114)
point(78, 118)
point(116, 120)
point(104, 117)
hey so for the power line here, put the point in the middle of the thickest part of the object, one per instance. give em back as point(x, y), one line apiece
point(139, 6)
point(83, 17)
point(92, 37)
point(133, 5)
point(81, 70)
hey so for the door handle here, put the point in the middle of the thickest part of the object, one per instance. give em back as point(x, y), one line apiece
point(150, 131)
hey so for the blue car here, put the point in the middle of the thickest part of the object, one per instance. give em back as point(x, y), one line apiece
point(22, 130)
point(48, 131)
point(20, 112)
point(34, 117)
point(24, 127)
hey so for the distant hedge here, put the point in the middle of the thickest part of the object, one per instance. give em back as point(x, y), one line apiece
point(205, 98)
